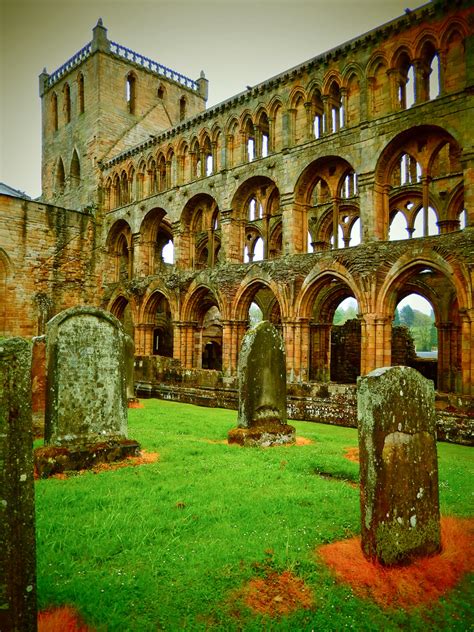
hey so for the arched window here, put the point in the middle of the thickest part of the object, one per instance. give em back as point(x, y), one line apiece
point(182, 108)
point(263, 136)
point(426, 223)
point(336, 107)
point(131, 92)
point(318, 114)
point(406, 82)
point(54, 111)
point(60, 177)
point(250, 140)
point(80, 93)
point(75, 170)
point(161, 92)
point(67, 103)
point(398, 227)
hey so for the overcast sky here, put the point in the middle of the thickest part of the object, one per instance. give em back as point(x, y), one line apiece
point(236, 43)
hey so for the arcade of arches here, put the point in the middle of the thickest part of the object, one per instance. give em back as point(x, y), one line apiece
point(349, 176)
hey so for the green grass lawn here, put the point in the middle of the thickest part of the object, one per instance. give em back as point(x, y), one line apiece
point(165, 546)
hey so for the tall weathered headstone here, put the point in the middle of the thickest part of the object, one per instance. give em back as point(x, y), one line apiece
point(86, 397)
point(17, 509)
point(262, 390)
point(398, 465)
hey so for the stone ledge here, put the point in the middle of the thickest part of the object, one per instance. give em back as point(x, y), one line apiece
point(263, 436)
point(52, 460)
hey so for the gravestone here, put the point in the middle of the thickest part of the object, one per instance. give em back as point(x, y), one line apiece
point(38, 384)
point(262, 390)
point(17, 510)
point(86, 395)
point(398, 465)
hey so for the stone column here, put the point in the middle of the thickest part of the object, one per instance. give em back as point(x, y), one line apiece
point(335, 223)
point(467, 352)
point(17, 509)
point(294, 226)
point(398, 465)
point(320, 352)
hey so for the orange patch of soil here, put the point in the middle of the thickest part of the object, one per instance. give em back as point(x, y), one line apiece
point(352, 454)
point(144, 458)
point(276, 595)
point(421, 582)
point(63, 619)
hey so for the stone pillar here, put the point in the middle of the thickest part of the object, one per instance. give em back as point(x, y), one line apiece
point(425, 187)
point(366, 188)
point(17, 510)
point(467, 161)
point(231, 238)
point(320, 352)
point(376, 342)
point(294, 226)
point(335, 223)
point(467, 352)
point(398, 465)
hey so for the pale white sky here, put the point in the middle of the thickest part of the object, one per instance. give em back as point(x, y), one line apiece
point(236, 43)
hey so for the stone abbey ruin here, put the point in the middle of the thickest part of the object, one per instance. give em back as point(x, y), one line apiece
point(177, 218)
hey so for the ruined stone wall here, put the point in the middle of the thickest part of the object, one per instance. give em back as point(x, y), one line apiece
point(49, 257)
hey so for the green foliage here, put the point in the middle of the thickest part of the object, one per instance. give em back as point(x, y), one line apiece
point(421, 326)
point(341, 315)
point(165, 545)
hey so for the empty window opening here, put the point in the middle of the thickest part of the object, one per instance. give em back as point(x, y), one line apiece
point(310, 247)
point(340, 238)
point(168, 252)
point(251, 149)
point(54, 111)
point(434, 86)
point(264, 145)
point(67, 103)
point(209, 165)
point(182, 108)
point(463, 219)
point(253, 209)
point(398, 227)
point(255, 314)
point(75, 171)
point(258, 250)
point(131, 93)
point(346, 310)
point(80, 93)
point(60, 177)
point(431, 228)
point(355, 236)
point(416, 313)
point(161, 92)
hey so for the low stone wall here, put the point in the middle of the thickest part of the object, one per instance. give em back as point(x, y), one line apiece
point(328, 403)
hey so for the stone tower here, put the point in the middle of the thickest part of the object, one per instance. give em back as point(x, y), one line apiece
point(98, 104)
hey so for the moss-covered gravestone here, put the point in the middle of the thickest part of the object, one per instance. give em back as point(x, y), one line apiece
point(17, 508)
point(86, 395)
point(398, 465)
point(262, 390)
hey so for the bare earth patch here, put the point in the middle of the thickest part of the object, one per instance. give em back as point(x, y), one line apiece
point(144, 458)
point(352, 454)
point(276, 594)
point(422, 582)
point(62, 619)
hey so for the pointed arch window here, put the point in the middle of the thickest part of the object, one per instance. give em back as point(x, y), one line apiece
point(67, 103)
point(182, 108)
point(60, 177)
point(131, 89)
point(75, 170)
point(80, 93)
point(54, 111)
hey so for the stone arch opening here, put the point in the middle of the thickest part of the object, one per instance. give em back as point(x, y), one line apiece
point(256, 215)
point(200, 236)
point(318, 192)
point(119, 251)
point(122, 310)
point(159, 326)
point(156, 238)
